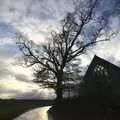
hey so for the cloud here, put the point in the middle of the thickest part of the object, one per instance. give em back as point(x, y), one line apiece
point(37, 18)
point(19, 72)
point(7, 51)
point(109, 50)
point(3, 69)
point(21, 77)
point(18, 90)
point(6, 29)
point(12, 88)
point(35, 94)
point(16, 82)
point(34, 17)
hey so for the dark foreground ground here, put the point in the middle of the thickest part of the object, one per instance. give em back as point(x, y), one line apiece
point(10, 109)
point(83, 108)
point(86, 108)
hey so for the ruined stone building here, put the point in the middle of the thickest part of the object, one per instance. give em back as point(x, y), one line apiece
point(101, 79)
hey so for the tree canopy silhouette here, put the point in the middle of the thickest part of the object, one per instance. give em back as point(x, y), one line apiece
point(54, 60)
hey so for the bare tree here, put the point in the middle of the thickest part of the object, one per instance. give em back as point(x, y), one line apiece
point(79, 30)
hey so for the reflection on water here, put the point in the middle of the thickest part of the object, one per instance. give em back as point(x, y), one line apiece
point(36, 114)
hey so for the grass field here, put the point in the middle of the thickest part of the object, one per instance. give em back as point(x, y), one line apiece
point(10, 109)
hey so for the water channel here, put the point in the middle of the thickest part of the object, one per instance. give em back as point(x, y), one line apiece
point(36, 114)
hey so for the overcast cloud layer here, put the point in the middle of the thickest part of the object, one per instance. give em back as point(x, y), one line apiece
point(37, 18)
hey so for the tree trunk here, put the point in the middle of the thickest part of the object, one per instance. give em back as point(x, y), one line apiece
point(59, 87)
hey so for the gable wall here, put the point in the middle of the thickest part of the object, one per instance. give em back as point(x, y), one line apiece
point(102, 85)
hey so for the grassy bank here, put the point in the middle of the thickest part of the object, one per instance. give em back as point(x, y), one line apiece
point(10, 109)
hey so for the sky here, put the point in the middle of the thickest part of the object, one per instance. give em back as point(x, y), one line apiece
point(36, 19)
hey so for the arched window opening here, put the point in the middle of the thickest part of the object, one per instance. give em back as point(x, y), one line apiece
point(100, 71)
